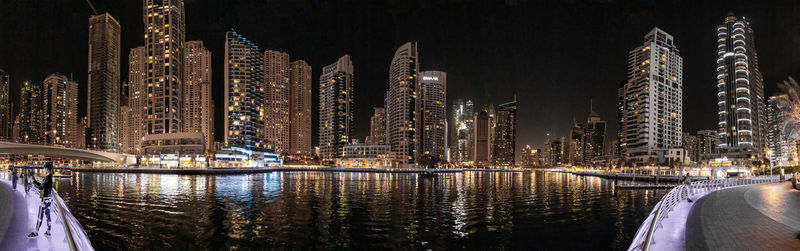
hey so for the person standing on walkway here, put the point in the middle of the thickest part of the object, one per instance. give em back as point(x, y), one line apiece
point(46, 187)
point(688, 182)
point(14, 178)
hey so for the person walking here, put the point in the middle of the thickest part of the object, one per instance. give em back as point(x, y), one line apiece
point(14, 178)
point(45, 186)
point(688, 182)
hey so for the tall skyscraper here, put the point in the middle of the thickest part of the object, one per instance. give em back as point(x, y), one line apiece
point(780, 130)
point(742, 111)
point(137, 110)
point(335, 107)
point(652, 120)
point(377, 127)
point(60, 110)
point(31, 114)
point(198, 107)
point(6, 122)
point(481, 139)
point(707, 144)
point(401, 100)
point(164, 33)
point(505, 134)
point(104, 81)
point(594, 137)
point(244, 94)
point(300, 107)
point(431, 114)
point(276, 99)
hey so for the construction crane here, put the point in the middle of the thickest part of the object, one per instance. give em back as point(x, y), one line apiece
point(92, 6)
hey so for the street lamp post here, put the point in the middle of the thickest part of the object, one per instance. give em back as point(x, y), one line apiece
point(769, 157)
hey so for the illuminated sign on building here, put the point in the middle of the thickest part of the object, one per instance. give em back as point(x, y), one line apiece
point(430, 78)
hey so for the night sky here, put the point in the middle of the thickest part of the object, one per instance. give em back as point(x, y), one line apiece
point(554, 55)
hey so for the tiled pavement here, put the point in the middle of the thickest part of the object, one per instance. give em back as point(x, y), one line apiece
point(755, 217)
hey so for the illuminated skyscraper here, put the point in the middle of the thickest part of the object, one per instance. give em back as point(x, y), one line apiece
point(594, 136)
point(104, 81)
point(400, 105)
point(6, 122)
point(60, 110)
point(198, 107)
point(276, 100)
point(335, 107)
point(431, 114)
point(742, 108)
point(652, 117)
point(505, 134)
point(377, 127)
point(300, 107)
point(244, 94)
point(164, 44)
point(135, 126)
point(31, 114)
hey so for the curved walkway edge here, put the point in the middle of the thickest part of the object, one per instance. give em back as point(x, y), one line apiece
point(763, 217)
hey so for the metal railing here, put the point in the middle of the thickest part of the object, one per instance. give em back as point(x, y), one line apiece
point(76, 237)
point(680, 194)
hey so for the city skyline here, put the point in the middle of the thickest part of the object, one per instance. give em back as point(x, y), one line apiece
point(534, 104)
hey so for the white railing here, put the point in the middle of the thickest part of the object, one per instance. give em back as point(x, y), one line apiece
point(77, 238)
point(680, 194)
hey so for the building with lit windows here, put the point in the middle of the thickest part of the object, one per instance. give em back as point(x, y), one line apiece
point(174, 150)
point(401, 102)
point(740, 97)
point(31, 118)
point(652, 99)
point(137, 110)
point(594, 137)
point(377, 127)
point(431, 114)
point(780, 127)
point(6, 121)
point(707, 144)
point(335, 108)
point(300, 107)
point(276, 100)
point(365, 156)
point(198, 107)
point(60, 110)
point(104, 81)
point(164, 33)
point(505, 134)
point(244, 94)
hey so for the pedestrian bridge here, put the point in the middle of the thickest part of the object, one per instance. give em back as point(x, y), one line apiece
point(56, 151)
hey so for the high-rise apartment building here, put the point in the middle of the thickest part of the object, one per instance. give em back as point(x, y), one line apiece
point(594, 137)
point(104, 81)
point(377, 127)
point(780, 129)
point(135, 126)
point(32, 123)
point(400, 103)
point(300, 107)
point(60, 110)
point(198, 107)
point(652, 99)
point(276, 100)
point(740, 97)
point(690, 147)
point(335, 107)
point(244, 94)
point(6, 121)
point(164, 33)
point(707, 144)
point(505, 134)
point(481, 144)
point(431, 114)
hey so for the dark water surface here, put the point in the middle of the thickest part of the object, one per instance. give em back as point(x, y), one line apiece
point(324, 210)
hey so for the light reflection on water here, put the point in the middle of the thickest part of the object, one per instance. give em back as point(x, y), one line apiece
point(316, 210)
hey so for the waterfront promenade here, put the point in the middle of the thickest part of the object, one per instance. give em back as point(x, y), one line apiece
point(214, 171)
point(755, 217)
point(18, 215)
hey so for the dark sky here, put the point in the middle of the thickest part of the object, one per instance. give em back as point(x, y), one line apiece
point(554, 55)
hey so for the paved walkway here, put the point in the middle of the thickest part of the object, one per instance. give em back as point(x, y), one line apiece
point(755, 217)
point(18, 217)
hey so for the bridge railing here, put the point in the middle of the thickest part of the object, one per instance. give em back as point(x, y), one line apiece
point(644, 236)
